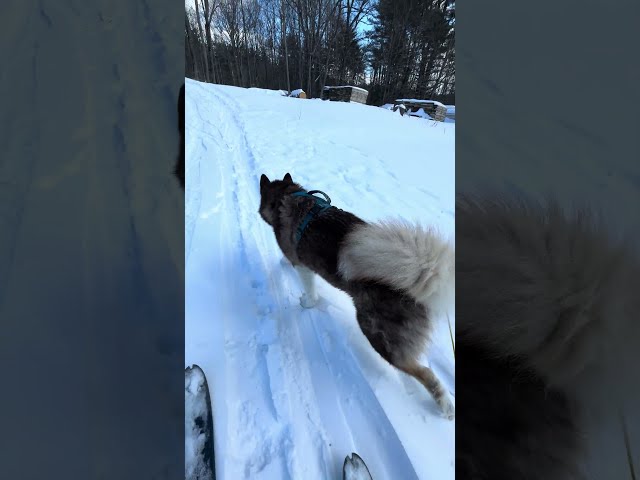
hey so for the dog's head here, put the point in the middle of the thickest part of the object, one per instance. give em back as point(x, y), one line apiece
point(271, 193)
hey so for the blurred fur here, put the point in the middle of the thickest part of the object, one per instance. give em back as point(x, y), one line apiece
point(178, 170)
point(394, 308)
point(545, 319)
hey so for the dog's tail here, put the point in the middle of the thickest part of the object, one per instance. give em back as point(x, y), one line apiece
point(551, 286)
point(406, 257)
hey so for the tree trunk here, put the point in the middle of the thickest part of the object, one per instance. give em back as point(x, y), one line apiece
point(208, 13)
point(206, 61)
point(283, 20)
point(190, 46)
point(246, 44)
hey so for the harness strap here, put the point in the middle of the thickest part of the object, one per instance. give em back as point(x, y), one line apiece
point(318, 208)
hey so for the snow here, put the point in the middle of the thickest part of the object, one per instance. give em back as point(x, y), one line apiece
point(297, 92)
point(420, 113)
point(266, 91)
point(294, 390)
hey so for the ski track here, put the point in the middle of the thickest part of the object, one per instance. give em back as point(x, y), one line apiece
point(295, 336)
point(288, 404)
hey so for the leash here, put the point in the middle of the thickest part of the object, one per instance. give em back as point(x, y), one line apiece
point(318, 208)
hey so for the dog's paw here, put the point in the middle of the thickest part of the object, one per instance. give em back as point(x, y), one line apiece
point(308, 302)
point(447, 408)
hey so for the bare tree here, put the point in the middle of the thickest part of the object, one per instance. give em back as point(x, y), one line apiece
point(208, 12)
point(206, 59)
point(409, 49)
point(283, 23)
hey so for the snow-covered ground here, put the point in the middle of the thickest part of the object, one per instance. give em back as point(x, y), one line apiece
point(295, 391)
point(91, 266)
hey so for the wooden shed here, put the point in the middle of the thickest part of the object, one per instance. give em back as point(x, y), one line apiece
point(345, 94)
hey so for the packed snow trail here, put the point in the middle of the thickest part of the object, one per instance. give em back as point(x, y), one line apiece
point(294, 391)
point(88, 211)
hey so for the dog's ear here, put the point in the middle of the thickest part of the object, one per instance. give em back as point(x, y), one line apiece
point(287, 178)
point(264, 181)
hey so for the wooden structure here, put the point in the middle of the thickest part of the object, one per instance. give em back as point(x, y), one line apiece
point(345, 94)
point(435, 110)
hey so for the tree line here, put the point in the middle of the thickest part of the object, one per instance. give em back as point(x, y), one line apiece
point(392, 48)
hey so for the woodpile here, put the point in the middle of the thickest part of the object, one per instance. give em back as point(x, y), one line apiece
point(299, 93)
point(435, 110)
point(345, 94)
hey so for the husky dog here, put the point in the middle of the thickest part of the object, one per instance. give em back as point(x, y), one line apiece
point(547, 337)
point(399, 276)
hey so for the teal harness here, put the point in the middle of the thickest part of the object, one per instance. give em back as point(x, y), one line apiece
point(318, 208)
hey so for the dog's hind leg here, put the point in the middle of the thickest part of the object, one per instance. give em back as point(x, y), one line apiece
point(393, 344)
point(427, 378)
point(310, 297)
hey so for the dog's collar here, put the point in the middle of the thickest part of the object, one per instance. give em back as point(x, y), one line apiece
point(318, 208)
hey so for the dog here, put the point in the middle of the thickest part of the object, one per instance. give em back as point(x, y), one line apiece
point(399, 276)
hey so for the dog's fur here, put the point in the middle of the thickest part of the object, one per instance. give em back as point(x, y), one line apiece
point(399, 276)
point(545, 322)
point(178, 170)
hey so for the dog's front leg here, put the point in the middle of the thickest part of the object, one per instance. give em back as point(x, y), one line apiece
point(310, 297)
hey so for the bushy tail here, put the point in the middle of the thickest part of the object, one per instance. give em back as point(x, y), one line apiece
point(552, 287)
point(405, 257)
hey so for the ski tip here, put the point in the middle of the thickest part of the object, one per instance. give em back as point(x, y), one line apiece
point(354, 457)
point(193, 367)
point(354, 468)
point(195, 379)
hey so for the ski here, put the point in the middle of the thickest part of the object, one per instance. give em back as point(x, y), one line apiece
point(200, 461)
point(354, 468)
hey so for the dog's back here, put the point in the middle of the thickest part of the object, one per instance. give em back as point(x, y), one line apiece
point(320, 245)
